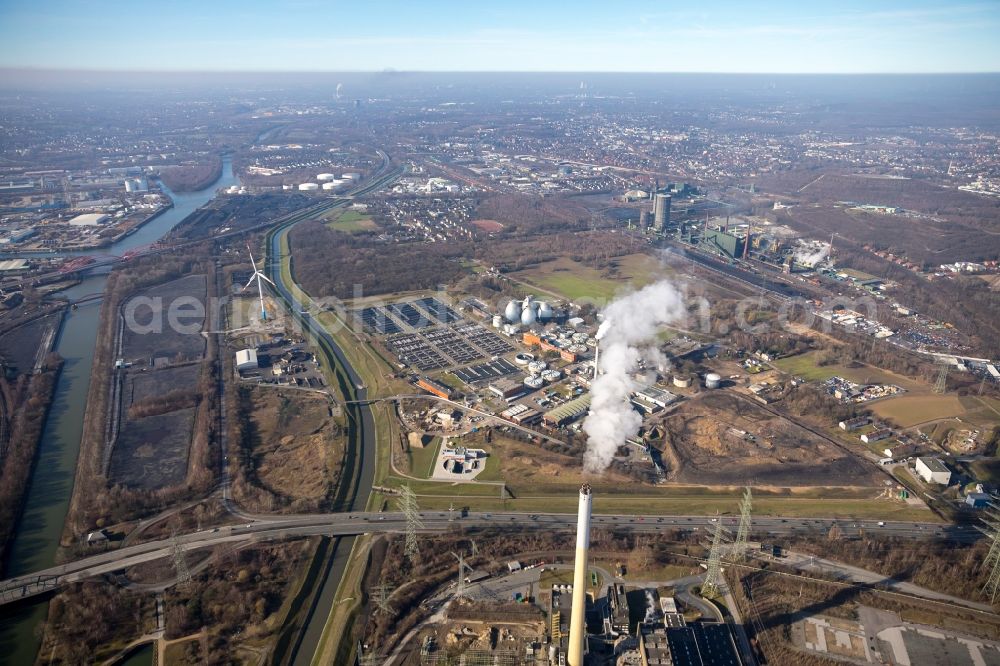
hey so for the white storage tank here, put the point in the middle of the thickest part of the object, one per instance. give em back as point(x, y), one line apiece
point(528, 316)
point(351, 176)
point(325, 177)
point(681, 381)
point(544, 311)
point(308, 187)
point(330, 186)
point(713, 380)
point(497, 321)
point(513, 312)
point(534, 381)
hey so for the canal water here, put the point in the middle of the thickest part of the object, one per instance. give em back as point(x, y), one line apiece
point(39, 529)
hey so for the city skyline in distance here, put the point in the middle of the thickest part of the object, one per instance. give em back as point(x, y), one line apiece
point(305, 35)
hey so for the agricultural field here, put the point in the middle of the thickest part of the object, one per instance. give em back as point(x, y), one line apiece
point(349, 221)
point(580, 283)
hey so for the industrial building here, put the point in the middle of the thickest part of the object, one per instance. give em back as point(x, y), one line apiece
point(932, 470)
point(661, 211)
point(567, 412)
point(88, 220)
point(434, 387)
point(246, 359)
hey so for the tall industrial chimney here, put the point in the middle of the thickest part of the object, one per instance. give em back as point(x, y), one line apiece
point(578, 619)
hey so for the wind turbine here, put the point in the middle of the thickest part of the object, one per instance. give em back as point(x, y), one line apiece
point(258, 276)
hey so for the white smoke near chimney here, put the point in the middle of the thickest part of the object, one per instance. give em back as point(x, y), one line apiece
point(627, 336)
point(810, 255)
point(652, 612)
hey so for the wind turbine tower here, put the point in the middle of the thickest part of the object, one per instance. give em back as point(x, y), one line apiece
point(258, 276)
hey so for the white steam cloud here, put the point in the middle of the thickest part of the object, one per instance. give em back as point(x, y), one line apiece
point(810, 255)
point(627, 337)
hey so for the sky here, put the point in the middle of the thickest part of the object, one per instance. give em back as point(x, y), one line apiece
point(813, 36)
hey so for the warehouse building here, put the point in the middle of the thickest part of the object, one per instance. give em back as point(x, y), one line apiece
point(932, 470)
point(434, 387)
point(246, 359)
point(567, 413)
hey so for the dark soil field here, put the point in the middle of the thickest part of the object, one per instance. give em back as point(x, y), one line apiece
point(721, 438)
point(19, 347)
point(155, 337)
point(146, 385)
point(152, 452)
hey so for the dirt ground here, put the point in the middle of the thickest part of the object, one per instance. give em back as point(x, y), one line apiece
point(153, 337)
point(19, 347)
point(152, 452)
point(720, 438)
point(297, 446)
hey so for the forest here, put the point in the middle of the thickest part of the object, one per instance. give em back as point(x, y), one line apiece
point(192, 177)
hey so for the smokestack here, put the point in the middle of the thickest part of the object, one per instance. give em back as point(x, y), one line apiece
point(577, 619)
point(597, 356)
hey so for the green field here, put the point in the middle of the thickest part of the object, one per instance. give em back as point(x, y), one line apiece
point(579, 283)
point(350, 221)
point(422, 460)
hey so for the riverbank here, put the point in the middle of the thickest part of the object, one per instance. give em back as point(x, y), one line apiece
point(21, 455)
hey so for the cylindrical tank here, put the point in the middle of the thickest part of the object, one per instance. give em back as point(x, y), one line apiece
point(544, 310)
point(713, 380)
point(533, 381)
point(552, 375)
point(523, 358)
point(330, 186)
point(308, 187)
point(325, 176)
point(497, 321)
point(528, 316)
point(513, 312)
point(681, 381)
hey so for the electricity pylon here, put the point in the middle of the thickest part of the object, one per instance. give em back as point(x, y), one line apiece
point(713, 577)
point(992, 561)
point(380, 595)
point(180, 563)
point(462, 568)
point(941, 385)
point(408, 505)
point(739, 551)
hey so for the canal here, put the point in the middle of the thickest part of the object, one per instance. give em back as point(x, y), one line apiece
point(39, 528)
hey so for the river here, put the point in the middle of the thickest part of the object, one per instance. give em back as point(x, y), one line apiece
point(39, 529)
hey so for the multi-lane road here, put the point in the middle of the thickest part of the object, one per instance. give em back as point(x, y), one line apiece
point(356, 523)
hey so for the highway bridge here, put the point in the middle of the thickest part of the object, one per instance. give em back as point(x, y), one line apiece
point(272, 528)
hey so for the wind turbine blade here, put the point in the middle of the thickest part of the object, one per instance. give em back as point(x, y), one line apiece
point(265, 278)
point(252, 278)
point(252, 262)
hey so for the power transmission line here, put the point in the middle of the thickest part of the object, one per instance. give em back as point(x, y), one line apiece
point(992, 561)
point(739, 551)
point(381, 595)
point(713, 577)
point(408, 505)
point(180, 563)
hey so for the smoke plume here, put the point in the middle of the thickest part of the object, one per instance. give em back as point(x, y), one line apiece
point(810, 256)
point(626, 337)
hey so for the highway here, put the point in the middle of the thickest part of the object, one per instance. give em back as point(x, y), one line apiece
point(355, 523)
point(358, 476)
